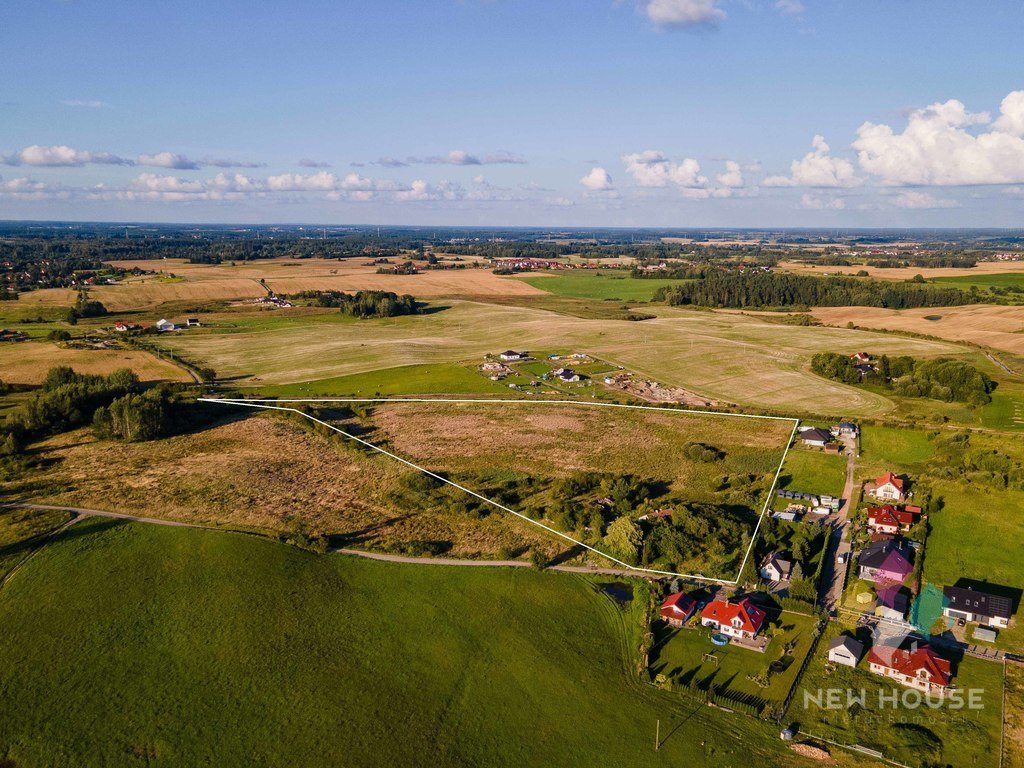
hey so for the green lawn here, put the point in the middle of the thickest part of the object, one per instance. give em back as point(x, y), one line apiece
point(812, 471)
point(912, 736)
point(976, 535)
point(896, 446)
point(429, 379)
point(680, 656)
point(127, 644)
point(605, 284)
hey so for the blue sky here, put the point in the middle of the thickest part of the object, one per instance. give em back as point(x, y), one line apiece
point(546, 112)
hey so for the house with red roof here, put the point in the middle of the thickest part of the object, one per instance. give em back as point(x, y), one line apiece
point(677, 608)
point(892, 519)
point(914, 665)
point(740, 619)
point(888, 487)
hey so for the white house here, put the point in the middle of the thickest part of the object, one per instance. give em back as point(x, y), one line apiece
point(845, 650)
point(975, 605)
point(774, 568)
point(815, 437)
point(511, 355)
point(740, 619)
point(164, 325)
point(888, 487)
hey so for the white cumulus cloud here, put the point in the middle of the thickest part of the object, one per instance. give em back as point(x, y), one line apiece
point(179, 162)
point(942, 146)
point(817, 169)
point(597, 180)
point(61, 156)
point(733, 175)
point(922, 200)
point(682, 13)
point(652, 168)
point(816, 203)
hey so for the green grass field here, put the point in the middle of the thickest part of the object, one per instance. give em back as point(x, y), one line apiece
point(1006, 411)
point(899, 448)
point(971, 533)
point(429, 379)
point(20, 530)
point(995, 279)
point(128, 644)
point(610, 285)
point(811, 471)
point(913, 736)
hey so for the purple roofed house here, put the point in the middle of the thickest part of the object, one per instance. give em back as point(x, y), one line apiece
point(885, 562)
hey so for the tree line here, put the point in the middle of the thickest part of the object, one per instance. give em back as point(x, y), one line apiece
point(363, 303)
point(749, 289)
point(115, 405)
point(940, 378)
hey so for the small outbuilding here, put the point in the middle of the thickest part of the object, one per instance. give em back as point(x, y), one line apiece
point(985, 634)
point(677, 608)
point(845, 650)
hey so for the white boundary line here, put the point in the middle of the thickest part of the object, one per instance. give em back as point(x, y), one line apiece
point(261, 403)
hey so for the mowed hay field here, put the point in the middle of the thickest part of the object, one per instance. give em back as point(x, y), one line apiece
point(263, 473)
point(27, 362)
point(999, 327)
point(906, 273)
point(729, 357)
point(557, 440)
point(223, 282)
point(129, 645)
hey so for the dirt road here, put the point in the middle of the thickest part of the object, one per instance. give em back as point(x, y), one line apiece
point(82, 512)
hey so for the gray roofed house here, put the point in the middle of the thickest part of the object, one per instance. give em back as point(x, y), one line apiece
point(816, 437)
point(976, 605)
point(774, 568)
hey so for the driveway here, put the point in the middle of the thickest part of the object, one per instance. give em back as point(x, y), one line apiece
point(834, 574)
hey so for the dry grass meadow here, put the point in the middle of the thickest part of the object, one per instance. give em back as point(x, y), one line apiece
point(999, 327)
point(262, 473)
point(557, 440)
point(905, 273)
point(730, 358)
point(199, 283)
point(27, 362)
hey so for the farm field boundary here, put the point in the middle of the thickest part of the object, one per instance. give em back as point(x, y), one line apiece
point(275, 405)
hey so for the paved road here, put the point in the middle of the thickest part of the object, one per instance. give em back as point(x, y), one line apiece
point(83, 512)
point(835, 573)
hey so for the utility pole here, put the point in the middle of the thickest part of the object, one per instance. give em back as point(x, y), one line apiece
point(657, 735)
